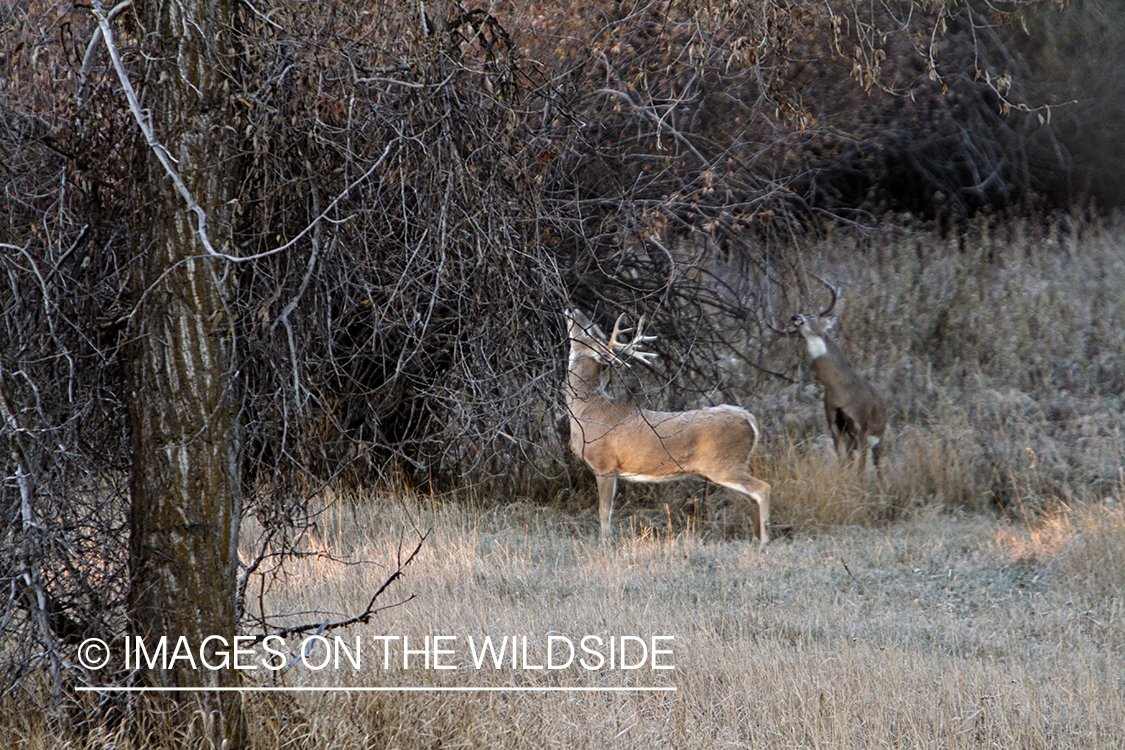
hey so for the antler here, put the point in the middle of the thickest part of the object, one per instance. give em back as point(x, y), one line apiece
point(789, 332)
point(775, 329)
point(623, 351)
point(835, 295)
point(769, 321)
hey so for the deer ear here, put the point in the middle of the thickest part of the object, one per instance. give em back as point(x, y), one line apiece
point(830, 324)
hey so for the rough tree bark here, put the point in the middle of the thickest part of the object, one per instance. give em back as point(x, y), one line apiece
point(185, 514)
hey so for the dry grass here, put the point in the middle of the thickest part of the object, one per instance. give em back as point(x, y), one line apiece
point(938, 631)
point(898, 612)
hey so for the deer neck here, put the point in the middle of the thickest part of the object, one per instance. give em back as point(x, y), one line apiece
point(822, 347)
point(832, 367)
point(818, 346)
point(585, 380)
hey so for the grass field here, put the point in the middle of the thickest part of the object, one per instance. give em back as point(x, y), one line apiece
point(973, 596)
point(941, 630)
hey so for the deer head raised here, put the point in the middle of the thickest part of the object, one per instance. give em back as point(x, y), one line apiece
point(854, 408)
point(620, 440)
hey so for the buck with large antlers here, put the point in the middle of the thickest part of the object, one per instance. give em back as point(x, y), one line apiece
point(620, 440)
point(857, 416)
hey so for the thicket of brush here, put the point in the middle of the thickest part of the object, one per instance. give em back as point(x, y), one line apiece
point(677, 160)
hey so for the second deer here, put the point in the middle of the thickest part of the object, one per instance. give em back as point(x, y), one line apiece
point(856, 412)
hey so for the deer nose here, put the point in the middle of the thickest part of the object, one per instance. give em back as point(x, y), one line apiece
point(797, 320)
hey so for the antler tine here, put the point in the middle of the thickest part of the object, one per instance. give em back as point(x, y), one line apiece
point(630, 350)
point(778, 331)
point(770, 324)
point(639, 339)
point(835, 295)
point(613, 343)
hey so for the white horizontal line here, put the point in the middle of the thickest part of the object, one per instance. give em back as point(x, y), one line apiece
point(269, 689)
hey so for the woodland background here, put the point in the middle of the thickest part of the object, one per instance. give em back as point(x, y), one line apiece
point(408, 204)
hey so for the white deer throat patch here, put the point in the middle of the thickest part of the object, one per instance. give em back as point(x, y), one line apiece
point(817, 347)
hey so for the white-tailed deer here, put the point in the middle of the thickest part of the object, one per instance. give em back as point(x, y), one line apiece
point(857, 416)
point(620, 440)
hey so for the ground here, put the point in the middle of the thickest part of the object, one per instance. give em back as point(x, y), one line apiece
point(940, 630)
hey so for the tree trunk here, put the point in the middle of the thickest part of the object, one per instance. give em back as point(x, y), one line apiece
point(185, 512)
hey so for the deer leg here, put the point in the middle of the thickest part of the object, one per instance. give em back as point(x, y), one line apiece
point(835, 429)
point(749, 486)
point(876, 454)
point(839, 445)
point(607, 488)
point(763, 499)
point(861, 446)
